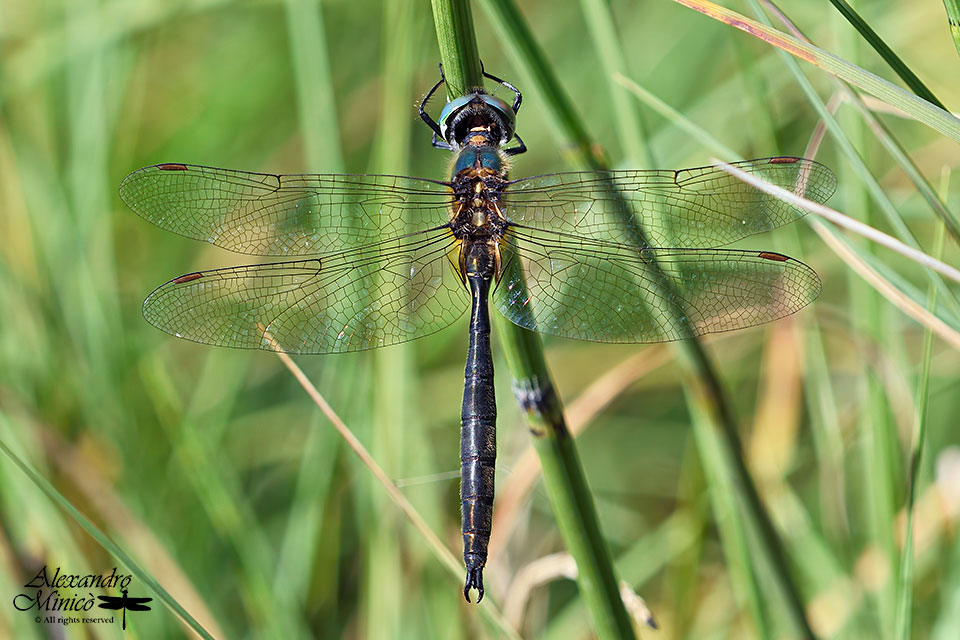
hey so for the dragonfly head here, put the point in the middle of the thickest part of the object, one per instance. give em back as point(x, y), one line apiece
point(477, 114)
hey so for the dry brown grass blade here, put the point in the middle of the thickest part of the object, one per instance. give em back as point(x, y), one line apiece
point(931, 115)
point(846, 222)
point(886, 289)
point(561, 565)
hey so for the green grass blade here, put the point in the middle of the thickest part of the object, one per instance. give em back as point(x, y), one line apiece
point(901, 69)
point(431, 539)
point(680, 121)
point(603, 32)
point(953, 20)
point(899, 154)
point(733, 532)
point(515, 35)
point(217, 486)
point(459, 53)
point(839, 219)
point(893, 147)
point(317, 124)
point(905, 578)
point(931, 115)
point(315, 99)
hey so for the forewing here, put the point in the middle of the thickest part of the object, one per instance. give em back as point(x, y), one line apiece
point(375, 296)
point(283, 215)
point(701, 207)
point(589, 290)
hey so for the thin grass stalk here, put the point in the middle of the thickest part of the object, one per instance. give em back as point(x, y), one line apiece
point(317, 109)
point(879, 440)
point(580, 415)
point(828, 440)
point(685, 536)
point(905, 578)
point(906, 74)
point(833, 451)
point(89, 272)
point(899, 154)
point(563, 474)
point(877, 443)
point(296, 557)
point(877, 446)
point(820, 569)
point(822, 403)
point(722, 497)
point(695, 131)
point(453, 21)
point(860, 264)
point(646, 558)
point(516, 34)
point(763, 132)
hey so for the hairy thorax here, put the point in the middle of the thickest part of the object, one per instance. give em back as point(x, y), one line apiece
point(477, 218)
point(480, 174)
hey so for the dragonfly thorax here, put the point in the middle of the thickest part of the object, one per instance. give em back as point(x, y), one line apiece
point(478, 181)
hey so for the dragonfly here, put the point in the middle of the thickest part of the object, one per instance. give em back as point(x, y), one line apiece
point(124, 602)
point(365, 261)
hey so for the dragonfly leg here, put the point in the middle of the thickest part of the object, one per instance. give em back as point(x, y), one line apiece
point(423, 108)
point(519, 96)
point(517, 150)
point(440, 144)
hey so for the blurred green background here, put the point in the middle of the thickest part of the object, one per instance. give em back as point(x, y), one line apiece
point(214, 470)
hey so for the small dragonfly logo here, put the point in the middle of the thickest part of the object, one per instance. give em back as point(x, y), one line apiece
point(125, 603)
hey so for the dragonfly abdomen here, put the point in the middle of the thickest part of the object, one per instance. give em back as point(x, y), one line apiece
point(478, 431)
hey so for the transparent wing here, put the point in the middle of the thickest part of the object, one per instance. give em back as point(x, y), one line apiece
point(374, 296)
point(589, 290)
point(702, 207)
point(283, 215)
